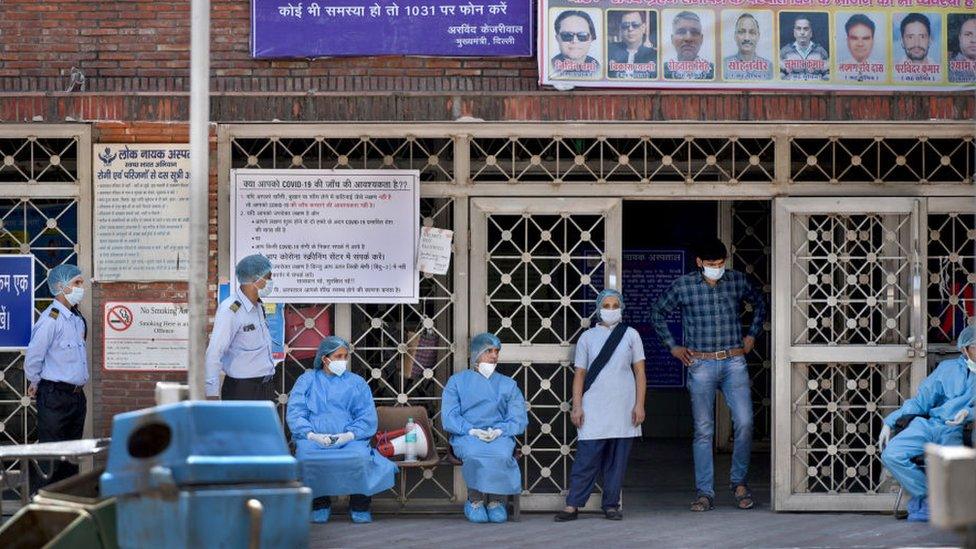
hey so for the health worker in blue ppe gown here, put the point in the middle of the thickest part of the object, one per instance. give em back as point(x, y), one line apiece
point(484, 411)
point(240, 344)
point(332, 418)
point(937, 414)
point(56, 367)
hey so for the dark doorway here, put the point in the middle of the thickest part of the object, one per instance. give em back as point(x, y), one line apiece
point(659, 239)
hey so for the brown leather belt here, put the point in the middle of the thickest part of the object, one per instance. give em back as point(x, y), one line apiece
point(718, 355)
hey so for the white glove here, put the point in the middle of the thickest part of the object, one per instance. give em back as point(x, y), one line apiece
point(494, 433)
point(344, 438)
point(481, 434)
point(884, 438)
point(961, 416)
point(324, 440)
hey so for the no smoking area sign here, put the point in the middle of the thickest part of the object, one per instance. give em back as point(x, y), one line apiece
point(145, 336)
point(119, 318)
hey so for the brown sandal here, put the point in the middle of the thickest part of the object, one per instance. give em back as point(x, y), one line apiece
point(702, 503)
point(745, 500)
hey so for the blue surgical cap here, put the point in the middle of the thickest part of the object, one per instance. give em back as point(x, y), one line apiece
point(481, 343)
point(252, 268)
point(60, 276)
point(328, 346)
point(967, 337)
point(607, 293)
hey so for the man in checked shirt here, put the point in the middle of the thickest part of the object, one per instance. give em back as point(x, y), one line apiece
point(714, 350)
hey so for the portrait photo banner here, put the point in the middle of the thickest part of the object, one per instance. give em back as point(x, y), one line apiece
point(451, 28)
point(919, 45)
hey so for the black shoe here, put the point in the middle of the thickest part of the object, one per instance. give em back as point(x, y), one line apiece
point(563, 516)
point(613, 514)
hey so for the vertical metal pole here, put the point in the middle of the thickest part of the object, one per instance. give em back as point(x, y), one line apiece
point(199, 183)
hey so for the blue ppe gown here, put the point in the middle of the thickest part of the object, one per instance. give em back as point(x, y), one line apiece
point(949, 389)
point(328, 404)
point(471, 401)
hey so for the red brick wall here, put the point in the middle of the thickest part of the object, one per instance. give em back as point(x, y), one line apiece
point(125, 46)
point(133, 44)
point(115, 392)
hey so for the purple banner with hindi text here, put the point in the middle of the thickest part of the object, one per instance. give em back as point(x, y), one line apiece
point(447, 28)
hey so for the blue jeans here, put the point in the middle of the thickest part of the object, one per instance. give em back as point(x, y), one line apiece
point(732, 377)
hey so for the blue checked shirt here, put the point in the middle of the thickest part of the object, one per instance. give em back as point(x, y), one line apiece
point(710, 315)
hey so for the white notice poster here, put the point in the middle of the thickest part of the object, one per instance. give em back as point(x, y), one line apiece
point(142, 211)
point(145, 336)
point(434, 255)
point(333, 236)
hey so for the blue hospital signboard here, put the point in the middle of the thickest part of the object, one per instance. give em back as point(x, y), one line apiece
point(16, 301)
point(647, 274)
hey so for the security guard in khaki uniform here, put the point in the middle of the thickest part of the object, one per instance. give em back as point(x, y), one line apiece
point(56, 366)
point(240, 344)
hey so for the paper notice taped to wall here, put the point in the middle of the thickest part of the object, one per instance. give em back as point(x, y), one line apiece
point(434, 253)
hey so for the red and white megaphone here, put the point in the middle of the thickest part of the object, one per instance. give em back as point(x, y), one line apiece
point(394, 443)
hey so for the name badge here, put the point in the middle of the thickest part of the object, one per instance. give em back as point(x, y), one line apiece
point(250, 328)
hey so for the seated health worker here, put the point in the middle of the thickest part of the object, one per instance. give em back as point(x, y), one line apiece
point(937, 414)
point(332, 418)
point(484, 411)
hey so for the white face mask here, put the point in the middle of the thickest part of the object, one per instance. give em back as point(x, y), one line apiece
point(75, 295)
point(266, 291)
point(610, 316)
point(337, 367)
point(713, 273)
point(969, 363)
point(486, 369)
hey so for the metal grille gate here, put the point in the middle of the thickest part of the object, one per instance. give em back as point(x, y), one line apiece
point(536, 268)
point(848, 302)
point(45, 186)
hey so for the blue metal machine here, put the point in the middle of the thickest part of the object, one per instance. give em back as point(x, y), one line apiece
point(205, 474)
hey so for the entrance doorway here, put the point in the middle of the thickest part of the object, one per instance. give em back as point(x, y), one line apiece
point(536, 267)
point(659, 239)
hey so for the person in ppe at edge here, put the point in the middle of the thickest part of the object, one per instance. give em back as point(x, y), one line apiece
point(608, 406)
point(240, 343)
point(484, 411)
point(56, 367)
point(332, 418)
point(937, 414)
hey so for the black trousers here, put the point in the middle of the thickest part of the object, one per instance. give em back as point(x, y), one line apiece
point(357, 502)
point(252, 388)
point(60, 416)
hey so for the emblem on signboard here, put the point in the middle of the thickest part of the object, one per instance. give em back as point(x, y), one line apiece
point(107, 156)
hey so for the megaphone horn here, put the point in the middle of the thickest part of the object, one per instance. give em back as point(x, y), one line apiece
point(394, 443)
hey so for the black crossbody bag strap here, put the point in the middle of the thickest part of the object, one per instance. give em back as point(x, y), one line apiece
point(604, 356)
